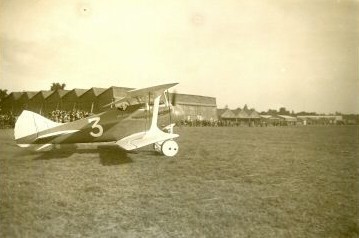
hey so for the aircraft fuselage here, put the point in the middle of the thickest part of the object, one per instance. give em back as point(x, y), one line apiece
point(111, 125)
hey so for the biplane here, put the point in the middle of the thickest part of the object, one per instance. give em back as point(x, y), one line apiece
point(131, 122)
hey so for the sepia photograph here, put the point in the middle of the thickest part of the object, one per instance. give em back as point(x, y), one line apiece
point(204, 118)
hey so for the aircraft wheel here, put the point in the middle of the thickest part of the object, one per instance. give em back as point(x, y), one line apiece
point(157, 147)
point(170, 148)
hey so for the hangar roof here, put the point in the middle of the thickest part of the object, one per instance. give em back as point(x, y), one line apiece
point(92, 92)
point(59, 92)
point(29, 94)
point(228, 114)
point(116, 92)
point(14, 96)
point(79, 91)
point(43, 94)
point(188, 99)
point(220, 111)
point(287, 118)
point(239, 113)
point(98, 91)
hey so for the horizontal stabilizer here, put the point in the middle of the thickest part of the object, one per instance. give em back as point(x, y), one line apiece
point(43, 147)
point(57, 133)
point(144, 138)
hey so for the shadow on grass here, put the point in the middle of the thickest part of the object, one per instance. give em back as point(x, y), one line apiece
point(112, 155)
point(108, 154)
point(149, 152)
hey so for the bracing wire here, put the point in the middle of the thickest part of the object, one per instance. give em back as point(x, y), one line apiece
point(169, 106)
point(148, 110)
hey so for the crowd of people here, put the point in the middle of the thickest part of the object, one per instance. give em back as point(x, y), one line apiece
point(60, 116)
point(209, 123)
point(67, 116)
point(7, 121)
point(226, 123)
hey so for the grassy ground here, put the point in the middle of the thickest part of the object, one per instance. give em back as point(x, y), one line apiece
point(225, 182)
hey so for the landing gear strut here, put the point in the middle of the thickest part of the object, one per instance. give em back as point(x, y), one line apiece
point(157, 147)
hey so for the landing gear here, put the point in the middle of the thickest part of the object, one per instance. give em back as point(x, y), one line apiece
point(167, 148)
point(157, 147)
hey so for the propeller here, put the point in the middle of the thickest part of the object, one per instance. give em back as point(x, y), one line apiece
point(173, 98)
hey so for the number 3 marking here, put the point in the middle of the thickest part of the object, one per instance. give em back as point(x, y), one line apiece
point(96, 125)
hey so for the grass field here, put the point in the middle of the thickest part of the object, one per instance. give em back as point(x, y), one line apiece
point(225, 182)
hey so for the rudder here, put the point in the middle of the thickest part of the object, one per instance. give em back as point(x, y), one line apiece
point(29, 123)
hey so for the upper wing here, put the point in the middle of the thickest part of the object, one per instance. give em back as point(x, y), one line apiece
point(155, 90)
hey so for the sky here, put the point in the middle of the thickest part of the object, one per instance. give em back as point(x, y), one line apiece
point(298, 54)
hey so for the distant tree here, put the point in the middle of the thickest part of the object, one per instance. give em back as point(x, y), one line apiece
point(301, 113)
point(245, 108)
point(338, 113)
point(272, 112)
point(3, 94)
point(283, 111)
point(306, 113)
point(57, 86)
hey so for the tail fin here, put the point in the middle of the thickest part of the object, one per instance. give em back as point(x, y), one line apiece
point(29, 123)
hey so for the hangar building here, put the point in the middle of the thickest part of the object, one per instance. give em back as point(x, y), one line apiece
point(190, 107)
point(87, 101)
point(12, 103)
point(240, 116)
point(25, 98)
point(70, 99)
point(54, 100)
point(195, 107)
point(110, 95)
point(37, 103)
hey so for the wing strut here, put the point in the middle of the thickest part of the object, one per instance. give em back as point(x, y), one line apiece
point(156, 106)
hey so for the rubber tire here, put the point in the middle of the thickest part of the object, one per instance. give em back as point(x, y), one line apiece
point(169, 148)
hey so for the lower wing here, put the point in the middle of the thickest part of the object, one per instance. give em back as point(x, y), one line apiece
point(144, 138)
